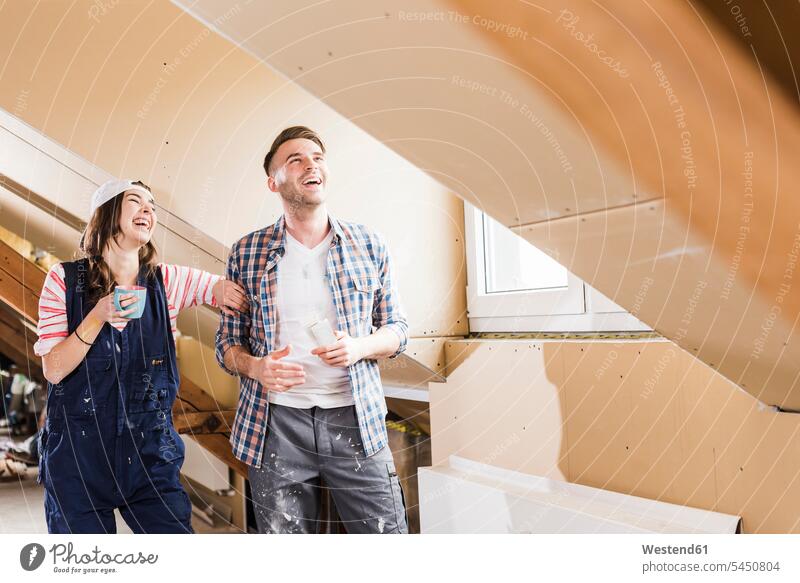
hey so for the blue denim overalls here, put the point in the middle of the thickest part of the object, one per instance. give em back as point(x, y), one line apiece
point(109, 441)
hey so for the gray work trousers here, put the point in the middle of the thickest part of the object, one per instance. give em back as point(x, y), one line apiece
point(304, 445)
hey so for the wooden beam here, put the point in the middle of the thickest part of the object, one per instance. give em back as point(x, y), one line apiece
point(18, 297)
point(25, 271)
point(21, 282)
point(190, 398)
point(220, 447)
point(689, 145)
point(13, 327)
point(767, 31)
point(12, 337)
point(16, 342)
point(687, 113)
point(27, 366)
point(203, 422)
point(41, 202)
point(195, 397)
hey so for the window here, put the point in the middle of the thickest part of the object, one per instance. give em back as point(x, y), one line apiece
point(513, 286)
point(517, 265)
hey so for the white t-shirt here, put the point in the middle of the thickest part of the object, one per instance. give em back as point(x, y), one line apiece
point(304, 297)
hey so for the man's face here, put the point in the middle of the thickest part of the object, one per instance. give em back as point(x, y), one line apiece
point(299, 173)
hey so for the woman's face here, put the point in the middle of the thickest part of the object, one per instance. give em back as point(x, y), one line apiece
point(137, 217)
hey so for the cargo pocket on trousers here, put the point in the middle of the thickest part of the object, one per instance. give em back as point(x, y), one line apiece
point(148, 400)
point(151, 394)
point(98, 372)
point(41, 442)
point(48, 444)
point(398, 498)
point(170, 446)
point(157, 441)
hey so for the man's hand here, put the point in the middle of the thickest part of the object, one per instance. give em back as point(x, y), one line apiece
point(277, 375)
point(344, 352)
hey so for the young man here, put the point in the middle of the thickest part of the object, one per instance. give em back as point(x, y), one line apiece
point(311, 403)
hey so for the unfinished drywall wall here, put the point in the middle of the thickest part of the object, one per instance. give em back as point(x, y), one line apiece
point(629, 141)
point(145, 90)
point(639, 417)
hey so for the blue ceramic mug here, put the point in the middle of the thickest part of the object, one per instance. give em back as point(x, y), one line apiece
point(140, 293)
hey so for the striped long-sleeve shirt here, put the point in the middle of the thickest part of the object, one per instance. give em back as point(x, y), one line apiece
point(185, 287)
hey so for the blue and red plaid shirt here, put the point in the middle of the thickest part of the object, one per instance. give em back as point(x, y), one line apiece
point(360, 279)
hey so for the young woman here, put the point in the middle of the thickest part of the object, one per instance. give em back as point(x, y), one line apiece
point(108, 442)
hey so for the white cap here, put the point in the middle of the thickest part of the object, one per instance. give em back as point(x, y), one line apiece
point(112, 188)
point(109, 190)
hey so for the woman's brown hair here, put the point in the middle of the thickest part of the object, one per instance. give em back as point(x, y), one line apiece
point(104, 227)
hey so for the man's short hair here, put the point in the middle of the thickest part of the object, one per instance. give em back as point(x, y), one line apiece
point(292, 133)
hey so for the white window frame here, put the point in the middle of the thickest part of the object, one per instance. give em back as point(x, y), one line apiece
point(575, 308)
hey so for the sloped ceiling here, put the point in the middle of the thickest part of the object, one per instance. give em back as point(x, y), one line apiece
point(640, 144)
